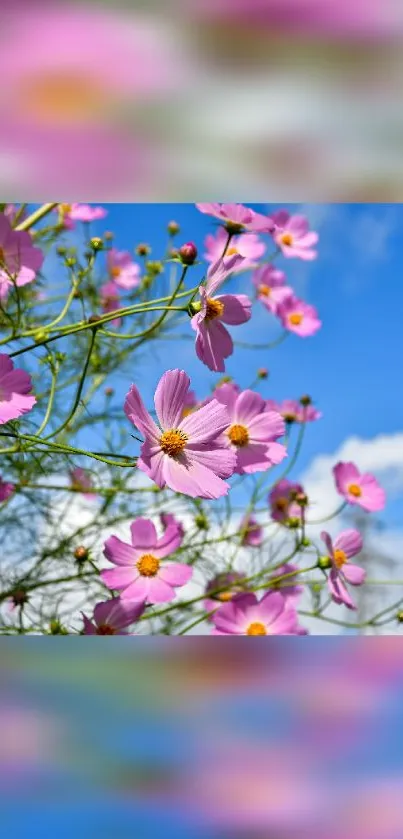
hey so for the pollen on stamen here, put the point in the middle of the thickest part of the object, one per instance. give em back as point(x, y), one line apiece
point(296, 318)
point(173, 442)
point(105, 629)
point(340, 558)
point(214, 308)
point(355, 490)
point(148, 565)
point(231, 251)
point(116, 271)
point(238, 435)
point(256, 628)
point(281, 504)
point(264, 290)
point(287, 239)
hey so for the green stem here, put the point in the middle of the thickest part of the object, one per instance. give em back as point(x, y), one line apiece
point(36, 216)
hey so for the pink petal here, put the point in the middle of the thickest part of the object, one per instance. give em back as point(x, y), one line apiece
point(267, 426)
point(118, 552)
point(344, 474)
point(175, 573)
point(248, 405)
point(159, 591)
point(338, 590)
point(349, 541)
point(328, 542)
point(137, 414)
point(220, 270)
point(270, 607)
point(205, 424)
point(221, 461)
point(237, 308)
point(137, 591)
point(193, 479)
point(253, 458)
point(354, 574)
point(119, 578)
point(170, 397)
point(144, 534)
point(169, 542)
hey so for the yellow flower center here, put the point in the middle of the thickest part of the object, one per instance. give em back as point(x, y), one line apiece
point(355, 490)
point(62, 97)
point(264, 290)
point(105, 629)
point(116, 271)
point(225, 596)
point(214, 308)
point(148, 565)
point(238, 435)
point(296, 318)
point(281, 504)
point(340, 558)
point(256, 628)
point(173, 442)
point(286, 239)
point(186, 412)
point(65, 208)
point(231, 251)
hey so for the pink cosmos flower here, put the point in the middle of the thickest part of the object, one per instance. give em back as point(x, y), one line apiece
point(6, 489)
point(228, 584)
point(112, 617)
point(70, 213)
point(283, 507)
point(346, 545)
point(185, 454)
point(359, 488)
point(297, 316)
point(293, 411)
point(252, 431)
point(140, 574)
point(251, 531)
point(168, 519)
point(123, 271)
point(15, 386)
point(110, 302)
point(246, 615)
point(81, 481)
point(213, 342)
point(249, 245)
point(237, 218)
point(293, 237)
point(289, 585)
point(63, 77)
point(18, 257)
point(271, 287)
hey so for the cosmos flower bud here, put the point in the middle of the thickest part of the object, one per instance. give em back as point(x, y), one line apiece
point(302, 499)
point(94, 319)
point(109, 391)
point(201, 521)
point(81, 554)
point(56, 628)
point(399, 617)
point(108, 235)
point(305, 400)
point(96, 243)
point(324, 562)
point(262, 373)
point(173, 228)
point(188, 253)
point(142, 249)
point(19, 597)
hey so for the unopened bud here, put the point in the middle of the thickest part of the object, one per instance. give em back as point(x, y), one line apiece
point(188, 253)
point(201, 521)
point(324, 562)
point(142, 249)
point(19, 597)
point(262, 373)
point(61, 250)
point(305, 400)
point(301, 499)
point(399, 617)
point(108, 235)
point(94, 319)
point(57, 629)
point(173, 228)
point(109, 391)
point(96, 243)
point(81, 554)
